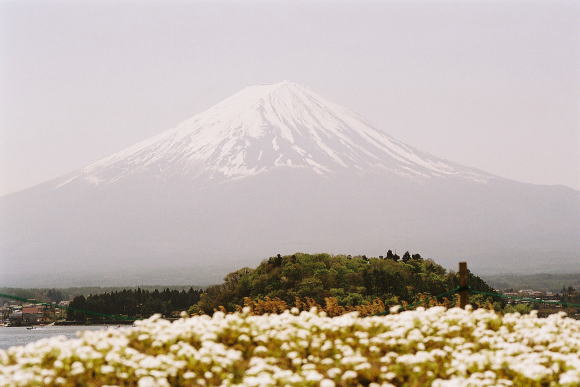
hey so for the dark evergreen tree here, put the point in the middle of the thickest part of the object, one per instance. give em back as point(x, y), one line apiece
point(136, 303)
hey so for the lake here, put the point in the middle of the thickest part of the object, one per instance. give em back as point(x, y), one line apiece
point(11, 336)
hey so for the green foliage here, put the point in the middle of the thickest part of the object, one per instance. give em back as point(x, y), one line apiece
point(351, 280)
point(520, 308)
point(44, 295)
point(60, 294)
point(136, 303)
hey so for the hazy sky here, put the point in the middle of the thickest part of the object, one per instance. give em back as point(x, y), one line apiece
point(494, 85)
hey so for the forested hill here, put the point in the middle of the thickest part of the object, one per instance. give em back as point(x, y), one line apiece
point(351, 280)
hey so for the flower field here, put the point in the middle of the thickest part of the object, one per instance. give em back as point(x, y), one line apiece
point(436, 346)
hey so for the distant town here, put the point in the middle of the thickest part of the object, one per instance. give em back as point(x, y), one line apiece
point(14, 313)
point(545, 302)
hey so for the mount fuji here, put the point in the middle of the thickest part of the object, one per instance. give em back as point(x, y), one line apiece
point(269, 127)
point(275, 168)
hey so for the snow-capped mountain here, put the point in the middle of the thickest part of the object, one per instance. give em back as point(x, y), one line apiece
point(265, 127)
point(275, 169)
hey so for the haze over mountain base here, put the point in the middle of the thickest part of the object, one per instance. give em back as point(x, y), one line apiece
point(181, 235)
point(282, 172)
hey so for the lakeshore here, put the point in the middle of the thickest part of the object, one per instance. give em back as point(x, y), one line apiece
point(17, 336)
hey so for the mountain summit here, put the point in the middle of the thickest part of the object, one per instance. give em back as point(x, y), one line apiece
point(275, 169)
point(265, 127)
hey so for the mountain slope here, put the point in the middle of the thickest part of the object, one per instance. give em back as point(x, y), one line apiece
point(275, 169)
point(265, 127)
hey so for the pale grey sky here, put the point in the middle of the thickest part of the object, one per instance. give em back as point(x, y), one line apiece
point(494, 85)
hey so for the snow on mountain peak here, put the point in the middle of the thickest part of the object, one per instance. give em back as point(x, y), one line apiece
point(265, 127)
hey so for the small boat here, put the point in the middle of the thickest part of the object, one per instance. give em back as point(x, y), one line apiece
point(41, 326)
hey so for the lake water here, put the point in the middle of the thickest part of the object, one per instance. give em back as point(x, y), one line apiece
point(11, 336)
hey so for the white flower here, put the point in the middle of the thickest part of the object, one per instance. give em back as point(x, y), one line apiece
point(349, 375)
point(107, 369)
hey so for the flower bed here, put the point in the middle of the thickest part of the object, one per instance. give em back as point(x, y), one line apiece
point(422, 347)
